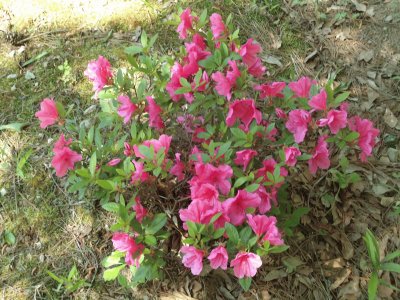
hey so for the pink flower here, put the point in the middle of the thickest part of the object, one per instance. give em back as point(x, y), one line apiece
point(318, 102)
point(320, 156)
point(193, 259)
point(216, 176)
point(178, 168)
point(218, 258)
point(273, 89)
point(217, 25)
point(235, 208)
point(174, 83)
point(154, 113)
point(64, 158)
point(125, 243)
point(201, 212)
point(368, 135)
point(249, 52)
point(246, 264)
point(203, 192)
point(244, 157)
point(186, 23)
point(269, 167)
point(245, 111)
point(257, 69)
point(127, 108)
point(99, 72)
point(298, 124)
point(224, 84)
point(113, 162)
point(291, 154)
point(139, 175)
point(48, 114)
point(265, 226)
point(141, 212)
point(128, 150)
point(61, 143)
point(336, 120)
point(266, 199)
point(280, 113)
point(301, 88)
point(163, 142)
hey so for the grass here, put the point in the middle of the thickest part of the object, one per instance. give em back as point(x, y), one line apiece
point(54, 231)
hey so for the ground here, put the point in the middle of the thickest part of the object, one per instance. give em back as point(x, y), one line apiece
point(354, 43)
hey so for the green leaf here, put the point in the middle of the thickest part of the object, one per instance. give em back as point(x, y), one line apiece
point(146, 151)
point(192, 228)
point(391, 267)
point(61, 109)
point(240, 181)
point(157, 223)
point(373, 286)
point(392, 255)
point(106, 184)
point(232, 233)
point(150, 240)
point(372, 247)
point(351, 136)
point(134, 49)
point(92, 164)
point(218, 233)
point(14, 126)
point(55, 277)
point(113, 259)
point(111, 206)
point(143, 39)
point(342, 97)
point(9, 238)
point(245, 283)
point(22, 162)
point(35, 58)
point(278, 249)
point(304, 156)
point(111, 274)
point(223, 148)
point(252, 187)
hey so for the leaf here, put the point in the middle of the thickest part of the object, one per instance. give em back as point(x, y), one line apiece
point(157, 223)
point(22, 162)
point(391, 267)
point(245, 283)
point(392, 255)
point(373, 286)
point(111, 207)
point(232, 233)
point(9, 238)
point(134, 49)
point(55, 277)
point(351, 136)
point(218, 233)
point(106, 184)
point(146, 151)
point(92, 164)
point(252, 187)
point(240, 181)
point(113, 259)
point(342, 97)
point(14, 126)
point(372, 247)
point(223, 148)
point(143, 39)
point(278, 249)
point(33, 59)
point(111, 274)
point(192, 228)
point(150, 240)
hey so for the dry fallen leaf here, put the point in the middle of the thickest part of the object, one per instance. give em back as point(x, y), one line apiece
point(272, 60)
point(350, 290)
point(359, 6)
point(366, 55)
point(347, 247)
point(175, 296)
point(275, 274)
point(340, 278)
point(390, 118)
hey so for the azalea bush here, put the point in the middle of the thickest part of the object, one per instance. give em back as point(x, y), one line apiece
point(208, 124)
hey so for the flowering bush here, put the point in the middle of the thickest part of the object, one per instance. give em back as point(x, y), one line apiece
point(209, 120)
